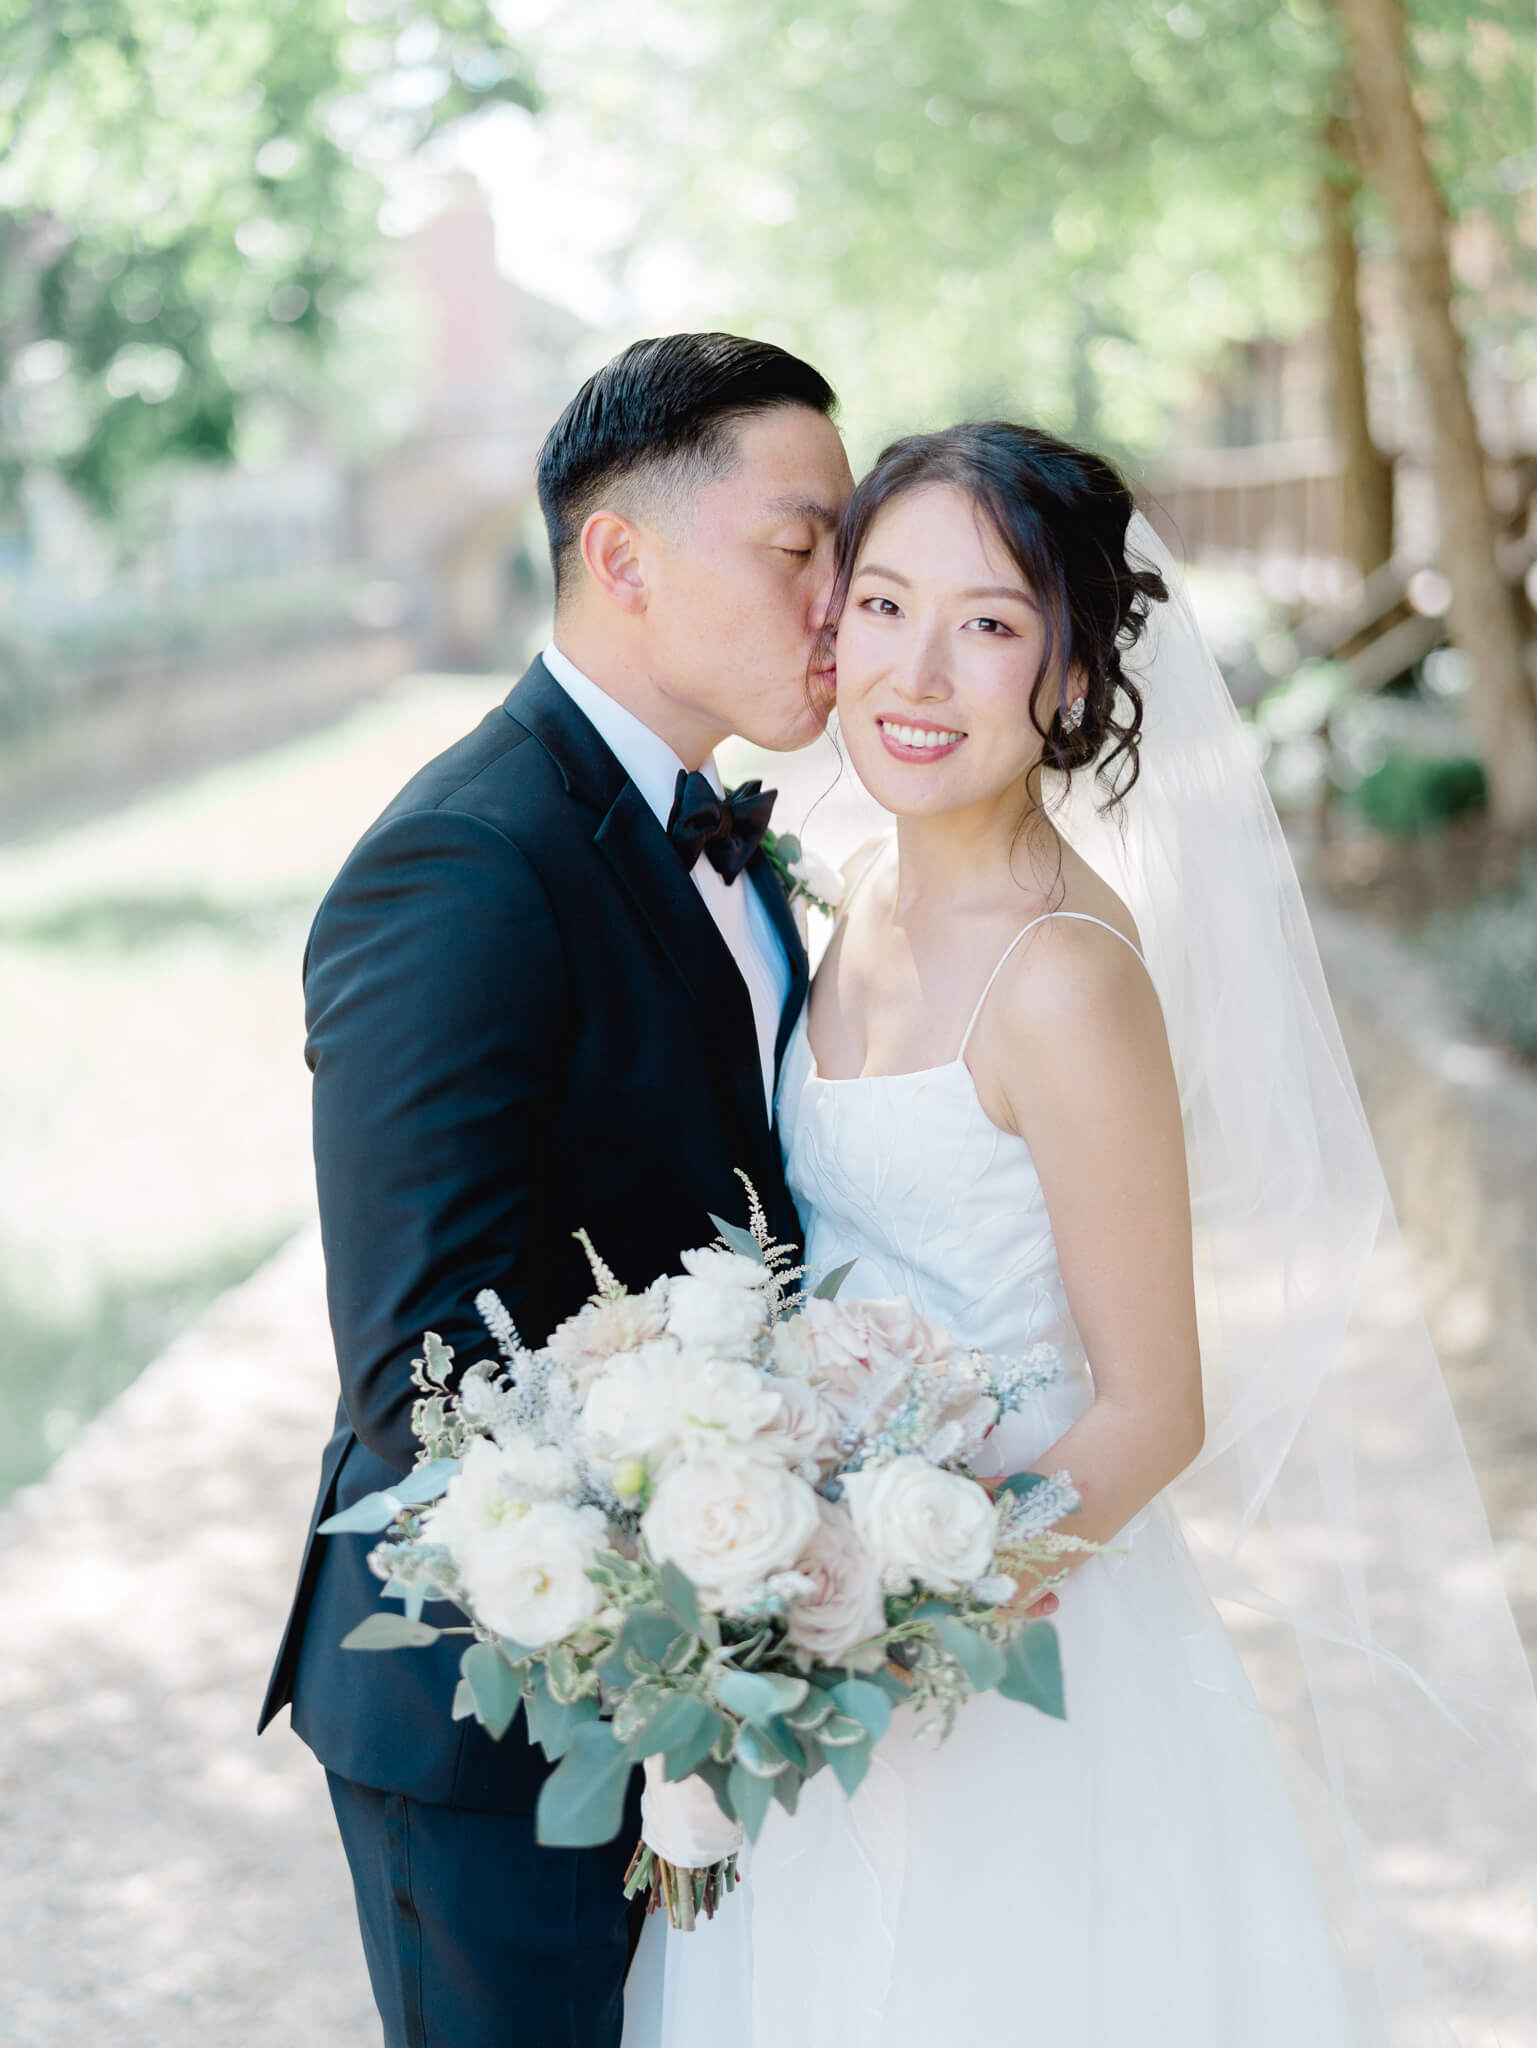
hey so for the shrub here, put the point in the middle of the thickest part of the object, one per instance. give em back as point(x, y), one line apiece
point(1411, 794)
point(1488, 953)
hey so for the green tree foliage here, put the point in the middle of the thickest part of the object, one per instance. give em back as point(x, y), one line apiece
point(189, 192)
point(1062, 205)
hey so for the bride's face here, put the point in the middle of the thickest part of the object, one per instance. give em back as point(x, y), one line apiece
point(939, 647)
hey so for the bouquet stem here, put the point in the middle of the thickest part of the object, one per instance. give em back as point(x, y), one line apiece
point(684, 1894)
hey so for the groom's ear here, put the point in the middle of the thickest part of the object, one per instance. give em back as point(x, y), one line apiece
point(613, 556)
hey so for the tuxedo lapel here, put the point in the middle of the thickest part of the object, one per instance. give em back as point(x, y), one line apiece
point(646, 865)
point(765, 879)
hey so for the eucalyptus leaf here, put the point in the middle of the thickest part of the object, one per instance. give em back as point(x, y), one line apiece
point(390, 1632)
point(678, 1596)
point(866, 1703)
point(581, 1803)
point(648, 1635)
point(848, 1764)
point(787, 1789)
point(426, 1482)
point(551, 1723)
point(750, 1799)
point(841, 1731)
point(827, 1287)
point(778, 1734)
point(683, 1729)
point(889, 1684)
point(740, 1240)
point(812, 1711)
point(1033, 1669)
point(983, 1662)
point(366, 1517)
point(758, 1757)
point(492, 1681)
point(760, 1695)
point(464, 1702)
point(718, 1777)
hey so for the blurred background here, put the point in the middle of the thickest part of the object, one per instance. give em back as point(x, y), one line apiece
point(289, 295)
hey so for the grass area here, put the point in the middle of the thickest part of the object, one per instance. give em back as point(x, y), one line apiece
point(153, 1096)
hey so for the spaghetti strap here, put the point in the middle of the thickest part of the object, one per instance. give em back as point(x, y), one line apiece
point(1080, 916)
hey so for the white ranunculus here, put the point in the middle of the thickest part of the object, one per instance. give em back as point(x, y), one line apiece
point(844, 1605)
point(630, 1410)
point(923, 1525)
point(726, 1268)
point(729, 1520)
point(718, 1318)
point(494, 1483)
point(802, 1430)
point(527, 1577)
point(647, 1404)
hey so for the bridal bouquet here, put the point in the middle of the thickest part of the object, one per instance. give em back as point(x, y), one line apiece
point(718, 1528)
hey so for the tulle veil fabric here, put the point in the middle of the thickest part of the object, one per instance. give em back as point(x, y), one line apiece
point(1333, 1512)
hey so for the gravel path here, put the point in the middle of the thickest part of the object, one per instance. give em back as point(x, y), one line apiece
point(166, 1881)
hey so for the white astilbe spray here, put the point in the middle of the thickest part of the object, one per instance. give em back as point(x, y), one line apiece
point(1023, 1516)
point(492, 1311)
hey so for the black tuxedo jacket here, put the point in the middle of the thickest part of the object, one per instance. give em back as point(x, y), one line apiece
point(522, 1020)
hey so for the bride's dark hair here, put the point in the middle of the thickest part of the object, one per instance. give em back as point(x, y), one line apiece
point(1062, 514)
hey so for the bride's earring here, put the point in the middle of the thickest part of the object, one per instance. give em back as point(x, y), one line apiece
point(1072, 717)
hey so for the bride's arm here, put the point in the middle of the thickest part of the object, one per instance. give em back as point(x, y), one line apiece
point(1071, 1054)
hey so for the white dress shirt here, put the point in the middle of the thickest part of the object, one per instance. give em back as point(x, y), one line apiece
point(736, 907)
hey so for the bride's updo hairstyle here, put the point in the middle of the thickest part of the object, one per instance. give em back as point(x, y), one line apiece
point(1062, 515)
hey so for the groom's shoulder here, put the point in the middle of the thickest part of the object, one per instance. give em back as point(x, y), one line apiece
point(500, 780)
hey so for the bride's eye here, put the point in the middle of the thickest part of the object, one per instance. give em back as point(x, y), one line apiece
point(992, 626)
point(882, 607)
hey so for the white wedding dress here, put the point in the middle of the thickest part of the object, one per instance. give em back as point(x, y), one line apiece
point(1132, 1877)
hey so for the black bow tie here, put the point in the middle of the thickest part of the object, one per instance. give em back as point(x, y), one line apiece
point(727, 829)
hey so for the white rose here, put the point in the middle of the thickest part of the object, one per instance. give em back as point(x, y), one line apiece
point(802, 1430)
point(527, 1577)
point(729, 1520)
point(819, 878)
point(845, 1605)
point(922, 1524)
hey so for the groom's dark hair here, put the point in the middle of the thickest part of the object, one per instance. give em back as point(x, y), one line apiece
point(657, 421)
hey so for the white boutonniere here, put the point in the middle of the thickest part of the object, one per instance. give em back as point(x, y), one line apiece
point(806, 876)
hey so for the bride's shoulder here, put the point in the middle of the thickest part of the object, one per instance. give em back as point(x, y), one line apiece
point(1080, 975)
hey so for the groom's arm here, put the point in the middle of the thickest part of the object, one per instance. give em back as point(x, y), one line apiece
point(437, 996)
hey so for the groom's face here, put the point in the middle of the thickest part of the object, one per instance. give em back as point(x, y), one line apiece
point(737, 599)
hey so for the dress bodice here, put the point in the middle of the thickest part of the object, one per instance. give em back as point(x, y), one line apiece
point(908, 1175)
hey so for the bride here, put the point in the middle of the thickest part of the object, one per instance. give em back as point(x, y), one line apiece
point(1074, 991)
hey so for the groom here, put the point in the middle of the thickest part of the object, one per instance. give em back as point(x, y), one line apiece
point(549, 990)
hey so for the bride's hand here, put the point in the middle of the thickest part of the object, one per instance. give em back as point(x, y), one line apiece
point(1022, 1607)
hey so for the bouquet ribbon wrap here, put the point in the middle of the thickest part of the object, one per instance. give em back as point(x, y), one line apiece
point(682, 1824)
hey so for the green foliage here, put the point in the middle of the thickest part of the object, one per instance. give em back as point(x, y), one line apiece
point(1411, 794)
point(1488, 954)
point(581, 1803)
point(495, 1686)
point(188, 207)
point(390, 1632)
point(1033, 1669)
point(1062, 208)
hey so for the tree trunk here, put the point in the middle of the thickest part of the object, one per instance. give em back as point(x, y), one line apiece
point(1368, 481)
point(1501, 706)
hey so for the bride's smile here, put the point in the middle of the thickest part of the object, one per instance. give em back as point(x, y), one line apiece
point(941, 645)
